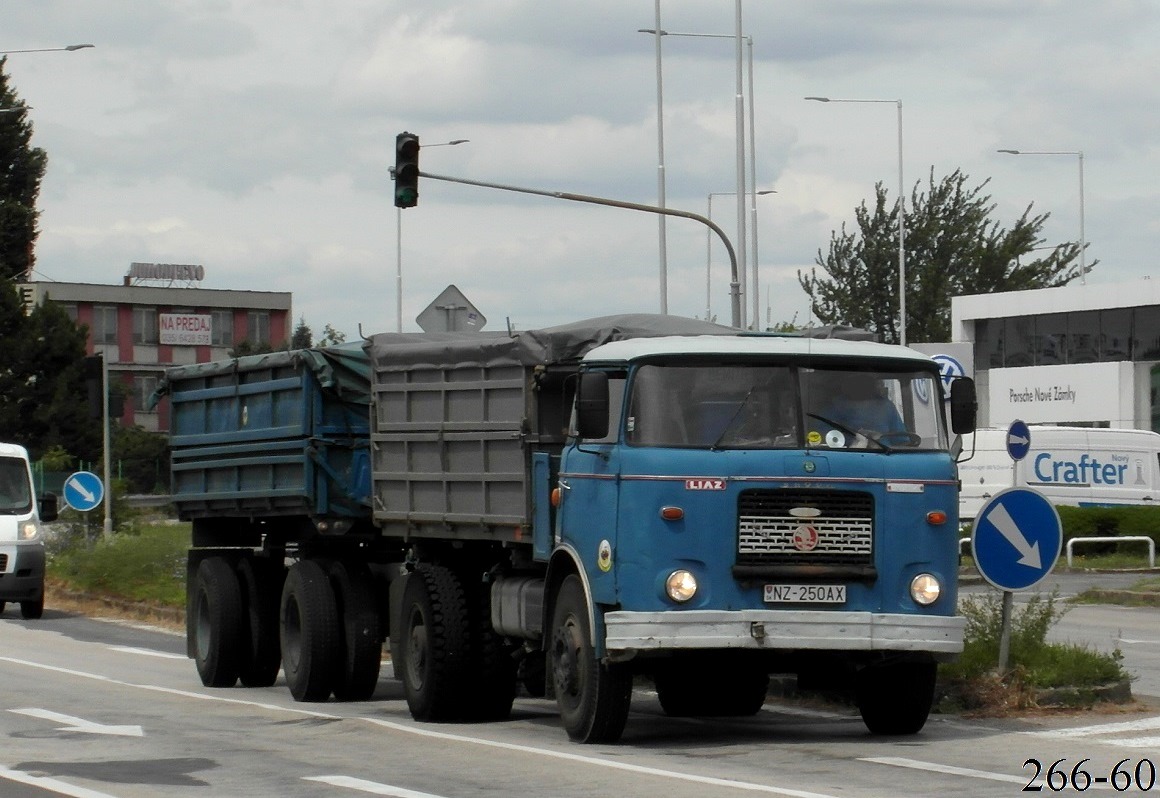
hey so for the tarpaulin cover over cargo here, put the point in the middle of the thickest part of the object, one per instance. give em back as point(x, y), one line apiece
point(562, 344)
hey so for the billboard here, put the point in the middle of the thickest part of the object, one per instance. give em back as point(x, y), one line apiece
point(185, 329)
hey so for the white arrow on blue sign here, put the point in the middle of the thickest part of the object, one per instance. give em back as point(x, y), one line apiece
point(1018, 440)
point(83, 491)
point(1017, 538)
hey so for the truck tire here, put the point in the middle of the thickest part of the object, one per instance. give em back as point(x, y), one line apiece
point(493, 667)
point(896, 698)
point(687, 690)
point(217, 622)
point(361, 657)
point(261, 581)
point(308, 621)
point(593, 697)
point(433, 644)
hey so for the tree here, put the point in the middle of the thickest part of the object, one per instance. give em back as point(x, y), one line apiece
point(331, 337)
point(303, 338)
point(953, 247)
point(21, 170)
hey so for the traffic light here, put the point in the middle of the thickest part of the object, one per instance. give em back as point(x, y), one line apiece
point(406, 170)
point(93, 370)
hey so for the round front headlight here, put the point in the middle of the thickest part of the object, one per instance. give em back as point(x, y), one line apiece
point(681, 586)
point(925, 589)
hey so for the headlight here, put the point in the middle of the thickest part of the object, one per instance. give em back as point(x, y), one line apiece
point(29, 530)
point(925, 589)
point(681, 586)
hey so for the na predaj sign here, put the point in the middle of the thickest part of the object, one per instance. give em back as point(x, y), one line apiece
point(185, 329)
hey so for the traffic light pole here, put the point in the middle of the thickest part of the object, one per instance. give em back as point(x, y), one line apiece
point(734, 285)
point(108, 526)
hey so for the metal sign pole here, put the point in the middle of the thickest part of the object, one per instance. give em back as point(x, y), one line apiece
point(1005, 632)
point(108, 526)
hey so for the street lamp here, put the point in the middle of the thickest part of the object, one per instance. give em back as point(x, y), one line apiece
point(399, 247)
point(1082, 241)
point(68, 48)
point(901, 215)
point(752, 157)
point(709, 249)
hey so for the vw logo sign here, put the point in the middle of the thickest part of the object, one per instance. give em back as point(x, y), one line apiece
point(951, 369)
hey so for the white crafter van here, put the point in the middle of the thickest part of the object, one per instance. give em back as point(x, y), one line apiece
point(21, 534)
point(1078, 466)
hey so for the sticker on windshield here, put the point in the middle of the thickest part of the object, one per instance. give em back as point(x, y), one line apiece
point(814, 437)
point(835, 439)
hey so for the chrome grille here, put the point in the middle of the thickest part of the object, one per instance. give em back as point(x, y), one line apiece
point(843, 525)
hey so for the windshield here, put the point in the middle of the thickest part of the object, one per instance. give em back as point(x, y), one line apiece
point(15, 495)
point(784, 407)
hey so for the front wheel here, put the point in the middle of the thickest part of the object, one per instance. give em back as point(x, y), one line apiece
point(593, 697)
point(896, 698)
point(31, 610)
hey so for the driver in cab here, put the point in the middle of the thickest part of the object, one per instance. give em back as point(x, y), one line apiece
point(852, 403)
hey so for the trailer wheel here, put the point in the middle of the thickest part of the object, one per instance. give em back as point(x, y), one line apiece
point(434, 644)
point(309, 632)
point(261, 581)
point(362, 641)
point(593, 697)
point(896, 698)
point(687, 690)
point(217, 623)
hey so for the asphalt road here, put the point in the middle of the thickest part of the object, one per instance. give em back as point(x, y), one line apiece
point(96, 709)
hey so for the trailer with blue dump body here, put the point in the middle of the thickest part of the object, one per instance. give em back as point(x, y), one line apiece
point(572, 509)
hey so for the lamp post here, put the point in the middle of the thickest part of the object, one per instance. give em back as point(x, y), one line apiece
point(901, 214)
point(399, 247)
point(753, 193)
point(1082, 241)
point(709, 250)
point(661, 229)
point(67, 48)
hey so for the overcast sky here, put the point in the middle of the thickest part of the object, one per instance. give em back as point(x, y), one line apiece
point(254, 137)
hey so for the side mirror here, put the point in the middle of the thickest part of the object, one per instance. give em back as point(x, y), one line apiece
point(592, 404)
point(964, 406)
point(48, 509)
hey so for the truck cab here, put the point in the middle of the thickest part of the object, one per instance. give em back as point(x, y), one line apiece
point(747, 505)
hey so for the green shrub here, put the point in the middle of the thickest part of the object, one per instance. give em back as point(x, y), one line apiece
point(148, 565)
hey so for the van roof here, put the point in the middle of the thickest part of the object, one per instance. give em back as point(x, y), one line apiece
point(13, 450)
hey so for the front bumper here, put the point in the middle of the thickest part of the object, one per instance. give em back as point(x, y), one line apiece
point(767, 630)
point(22, 576)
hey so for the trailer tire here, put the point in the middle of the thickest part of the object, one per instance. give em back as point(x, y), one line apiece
point(896, 698)
point(308, 621)
point(434, 644)
point(261, 580)
point(216, 626)
point(357, 675)
point(593, 697)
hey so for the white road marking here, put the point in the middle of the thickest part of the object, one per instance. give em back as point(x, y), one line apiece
point(1146, 724)
point(53, 785)
point(148, 652)
point(373, 787)
point(79, 724)
point(933, 767)
point(599, 762)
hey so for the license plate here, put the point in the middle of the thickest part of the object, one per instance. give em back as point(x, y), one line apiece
point(806, 594)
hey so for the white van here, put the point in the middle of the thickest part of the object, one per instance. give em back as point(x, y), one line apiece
point(1078, 466)
point(21, 534)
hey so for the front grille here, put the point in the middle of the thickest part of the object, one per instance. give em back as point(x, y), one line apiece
point(3, 563)
point(842, 531)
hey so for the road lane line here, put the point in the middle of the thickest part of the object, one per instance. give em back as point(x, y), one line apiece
point(172, 690)
point(148, 652)
point(373, 787)
point(933, 767)
point(1147, 724)
point(598, 762)
point(53, 785)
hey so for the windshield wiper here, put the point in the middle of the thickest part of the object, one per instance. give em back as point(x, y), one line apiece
point(867, 434)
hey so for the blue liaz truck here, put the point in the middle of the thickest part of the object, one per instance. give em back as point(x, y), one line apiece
point(571, 510)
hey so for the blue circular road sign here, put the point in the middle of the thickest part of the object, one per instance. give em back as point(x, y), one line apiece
point(1017, 538)
point(1018, 440)
point(83, 491)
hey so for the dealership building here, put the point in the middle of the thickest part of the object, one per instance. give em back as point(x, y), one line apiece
point(160, 317)
point(1083, 355)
